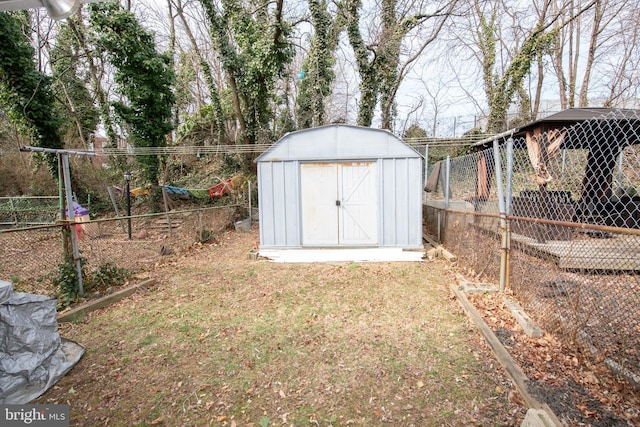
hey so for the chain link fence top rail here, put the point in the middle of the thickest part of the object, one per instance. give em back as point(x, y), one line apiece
point(34, 257)
point(572, 200)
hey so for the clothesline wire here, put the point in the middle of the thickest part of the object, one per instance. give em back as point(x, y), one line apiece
point(417, 143)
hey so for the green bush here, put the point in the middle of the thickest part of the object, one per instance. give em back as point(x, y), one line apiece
point(104, 277)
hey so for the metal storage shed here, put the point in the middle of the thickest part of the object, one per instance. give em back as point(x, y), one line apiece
point(340, 186)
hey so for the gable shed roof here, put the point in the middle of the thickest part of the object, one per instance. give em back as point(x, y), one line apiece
point(332, 142)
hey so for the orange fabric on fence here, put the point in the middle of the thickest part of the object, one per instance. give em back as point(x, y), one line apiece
point(554, 138)
point(483, 180)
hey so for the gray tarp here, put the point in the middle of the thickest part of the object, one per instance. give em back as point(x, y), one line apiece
point(33, 356)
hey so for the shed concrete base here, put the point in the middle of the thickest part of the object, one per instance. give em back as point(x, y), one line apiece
point(345, 255)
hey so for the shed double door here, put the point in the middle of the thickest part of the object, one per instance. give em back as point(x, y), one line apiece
point(339, 204)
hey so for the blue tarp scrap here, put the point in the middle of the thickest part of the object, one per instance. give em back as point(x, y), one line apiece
point(176, 190)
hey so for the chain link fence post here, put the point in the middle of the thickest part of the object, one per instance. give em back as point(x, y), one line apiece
point(71, 220)
point(503, 216)
point(557, 223)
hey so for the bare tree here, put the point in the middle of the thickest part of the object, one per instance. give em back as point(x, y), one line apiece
point(385, 55)
point(600, 27)
point(436, 100)
point(623, 66)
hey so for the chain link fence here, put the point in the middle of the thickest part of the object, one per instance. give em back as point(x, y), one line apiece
point(28, 210)
point(554, 215)
point(29, 254)
point(31, 257)
point(113, 233)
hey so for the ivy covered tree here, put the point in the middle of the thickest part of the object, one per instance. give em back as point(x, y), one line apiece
point(317, 74)
point(503, 82)
point(25, 90)
point(143, 76)
point(71, 81)
point(252, 41)
point(215, 111)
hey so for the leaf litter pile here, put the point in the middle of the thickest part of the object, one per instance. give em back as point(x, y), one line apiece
point(224, 340)
point(578, 390)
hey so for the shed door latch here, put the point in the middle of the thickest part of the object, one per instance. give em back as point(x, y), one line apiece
point(337, 202)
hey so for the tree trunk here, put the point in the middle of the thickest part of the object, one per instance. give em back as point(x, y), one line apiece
point(574, 54)
point(593, 44)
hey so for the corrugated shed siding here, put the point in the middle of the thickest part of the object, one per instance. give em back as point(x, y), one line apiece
point(279, 200)
point(414, 178)
point(400, 204)
point(399, 208)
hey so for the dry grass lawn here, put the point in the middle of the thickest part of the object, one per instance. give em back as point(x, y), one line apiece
point(223, 340)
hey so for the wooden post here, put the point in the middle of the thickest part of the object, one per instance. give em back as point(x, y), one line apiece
point(166, 208)
point(115, 207)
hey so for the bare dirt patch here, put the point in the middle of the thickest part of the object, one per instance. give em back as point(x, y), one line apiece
point(224, 340)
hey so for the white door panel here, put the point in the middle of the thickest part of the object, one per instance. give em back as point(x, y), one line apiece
point(358, 200)
point(339, 203)
point(319, 183)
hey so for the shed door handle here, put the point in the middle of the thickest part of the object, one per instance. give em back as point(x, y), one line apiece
point(337, 202)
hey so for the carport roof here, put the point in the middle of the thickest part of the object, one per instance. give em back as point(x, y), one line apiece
point(572, 116)
point(567, 118)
